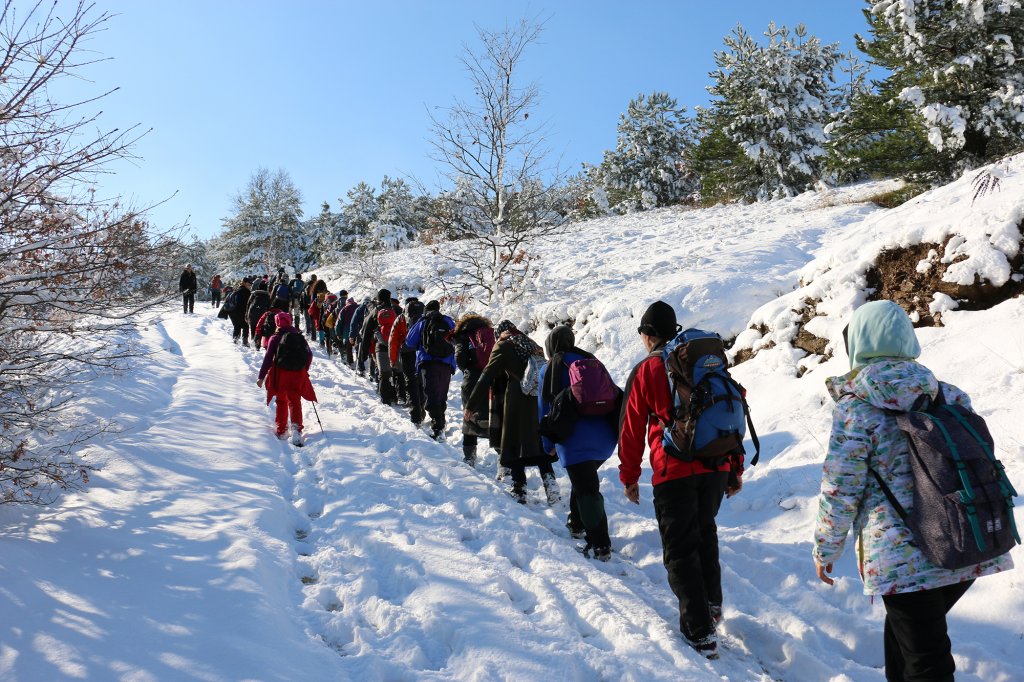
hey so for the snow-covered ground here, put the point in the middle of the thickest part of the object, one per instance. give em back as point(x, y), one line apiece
point(207, 549)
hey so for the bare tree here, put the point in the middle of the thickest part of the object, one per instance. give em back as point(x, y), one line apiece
point(76, 269)
point(494, 156)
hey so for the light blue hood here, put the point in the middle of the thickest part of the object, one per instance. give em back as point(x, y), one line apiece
point(880, 329)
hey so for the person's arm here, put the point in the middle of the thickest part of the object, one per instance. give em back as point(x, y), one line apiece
point(844, 478)
point(268, 358)
point(543, 406)
point(633, 434)
point(477, 402)
point(412, 339)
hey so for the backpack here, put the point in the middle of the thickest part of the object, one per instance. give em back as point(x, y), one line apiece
point(709, 408)
point(530, 383)
point(231, 302)
point(963, 501)
point(482, 343)
point(435, 337)
point(590, 393)
point(297, 287)
point(269, 326)
point(291, 352)
point(258, 306)
point(283, 292)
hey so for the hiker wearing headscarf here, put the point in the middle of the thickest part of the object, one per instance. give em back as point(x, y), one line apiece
point(513, 413)
point(582, 452)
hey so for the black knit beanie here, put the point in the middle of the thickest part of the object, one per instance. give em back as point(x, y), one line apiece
point(659, 320)
point(384, 296)
point(433, 305)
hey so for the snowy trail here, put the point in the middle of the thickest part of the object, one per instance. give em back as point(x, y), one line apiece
point(207, 549)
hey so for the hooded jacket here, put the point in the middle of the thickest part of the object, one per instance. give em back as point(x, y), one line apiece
point(593, 438)
point(882, 346)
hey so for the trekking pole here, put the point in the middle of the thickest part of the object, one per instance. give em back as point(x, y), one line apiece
point(317, 414)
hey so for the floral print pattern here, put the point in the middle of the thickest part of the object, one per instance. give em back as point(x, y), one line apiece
point(863, 435)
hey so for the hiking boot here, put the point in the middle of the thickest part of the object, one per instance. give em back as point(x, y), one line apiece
point(705, 646)
point(518, 492)
point(436, 432)
point(554, 495)
point(716, 613)
point(603, 553)
point(471, 461)
point(576, 533)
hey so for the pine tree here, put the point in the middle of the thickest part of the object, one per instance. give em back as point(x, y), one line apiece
point(266, 231)
point(774, 102)
point(958, 67)
point(330, 235)
point(360, 209)
point(648, 167)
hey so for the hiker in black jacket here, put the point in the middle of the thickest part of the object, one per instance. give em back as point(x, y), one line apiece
point(187, 286)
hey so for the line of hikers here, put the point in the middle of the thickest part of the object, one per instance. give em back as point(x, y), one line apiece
point(539, 405)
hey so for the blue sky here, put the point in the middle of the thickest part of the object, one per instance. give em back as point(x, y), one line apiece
point(338, 92)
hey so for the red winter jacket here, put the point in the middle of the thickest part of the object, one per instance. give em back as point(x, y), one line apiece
point(648, 405)
point(399, 330)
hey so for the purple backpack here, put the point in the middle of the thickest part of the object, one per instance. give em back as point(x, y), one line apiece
point(592, 388)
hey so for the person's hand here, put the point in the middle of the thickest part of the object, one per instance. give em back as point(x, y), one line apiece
point(632, 492)
point(823, 572)
point(734, 487)
point(259, 382)
point(467, 415)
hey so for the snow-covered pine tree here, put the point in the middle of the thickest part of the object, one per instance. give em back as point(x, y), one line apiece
point(648, 167)
point(359, 209)
point(329, 234)
point(960, 67)
point(394, 225)
point(266, 231)
point(774, 102)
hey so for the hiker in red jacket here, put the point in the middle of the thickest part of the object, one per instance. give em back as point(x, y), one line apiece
point(288, 386)
point(687, 495)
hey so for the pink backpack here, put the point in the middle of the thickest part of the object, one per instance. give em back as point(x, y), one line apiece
point(592, 387)
point(483, 342)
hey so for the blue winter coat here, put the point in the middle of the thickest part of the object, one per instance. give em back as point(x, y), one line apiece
point(593, 439)
point(412, 340)
point(357, 320)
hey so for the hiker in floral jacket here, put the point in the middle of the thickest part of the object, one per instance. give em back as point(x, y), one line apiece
point(917, 594)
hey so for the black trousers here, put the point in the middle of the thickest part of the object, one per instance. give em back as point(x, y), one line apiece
point(519, 472)
point(586, 505)
point(436, 378)
point(686, 510)
point(241, 329)
point(215, 298)
point(917, 647)
point(188, 300)
point(414, 385)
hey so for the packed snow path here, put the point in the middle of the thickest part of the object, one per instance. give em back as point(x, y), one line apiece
point(207, 549)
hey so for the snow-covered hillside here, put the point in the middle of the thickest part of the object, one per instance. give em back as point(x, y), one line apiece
point(206, 549)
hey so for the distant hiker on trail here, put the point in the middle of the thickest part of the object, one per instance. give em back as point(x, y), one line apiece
point(262, 284)
point(404, 359)
point(259, 303)
point(187, 286)
point(367, 341)
point(386, 385)
point(304, 302)
point(285, 371)
point(236, 305)
point(473, 339)
point(588, 439)
point(215, 288)
point(296, 286)
point(867, 448)
point(282, 293)
point(687, 494)
point(355, 333)
point(344, 329)
point(435, 361)
point(267, 326)
point(511, 379)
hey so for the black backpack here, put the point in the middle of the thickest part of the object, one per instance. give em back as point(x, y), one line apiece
point(436, 333)
point(260, 303)
point(963, 501)
point(230, 303)
point(292, 352)
point(269, 326)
